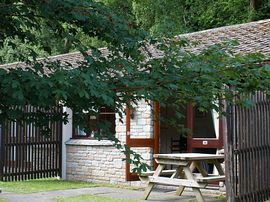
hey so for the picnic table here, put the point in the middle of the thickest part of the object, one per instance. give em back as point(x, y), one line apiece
point(184, 176)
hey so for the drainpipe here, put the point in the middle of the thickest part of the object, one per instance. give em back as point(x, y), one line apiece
point(67, 135)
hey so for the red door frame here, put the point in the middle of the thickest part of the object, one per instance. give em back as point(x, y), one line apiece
point(154, 142)
point(142, 142)
point(200, 142)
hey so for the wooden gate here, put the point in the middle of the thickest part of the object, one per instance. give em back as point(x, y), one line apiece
point(26, 154)
point(248, 151)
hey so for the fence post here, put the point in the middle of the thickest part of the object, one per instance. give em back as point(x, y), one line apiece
point(228, 148)
point(2, 151)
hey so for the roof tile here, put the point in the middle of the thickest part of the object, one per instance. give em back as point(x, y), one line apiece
point(252, 37)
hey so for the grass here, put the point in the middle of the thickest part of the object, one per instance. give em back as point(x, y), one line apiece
point(50, 184)
point(221, 197)
point(41, 185)
point(2, 200)
point(91, 198)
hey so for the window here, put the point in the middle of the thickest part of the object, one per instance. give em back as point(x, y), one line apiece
point(105, 114)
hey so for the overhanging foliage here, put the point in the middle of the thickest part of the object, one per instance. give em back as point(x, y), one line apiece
point(132, 68)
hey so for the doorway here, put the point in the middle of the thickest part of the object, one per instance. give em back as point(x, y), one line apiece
point(196, 131)
point(173, 136)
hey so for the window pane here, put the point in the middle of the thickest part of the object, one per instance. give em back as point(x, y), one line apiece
point(106, 114)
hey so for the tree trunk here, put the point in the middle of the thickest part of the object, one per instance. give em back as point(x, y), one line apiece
point(253, 4)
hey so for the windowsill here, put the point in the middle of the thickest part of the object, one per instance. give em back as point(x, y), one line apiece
point(87, 142)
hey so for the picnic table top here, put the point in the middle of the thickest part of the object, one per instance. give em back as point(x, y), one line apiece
point(189, 156)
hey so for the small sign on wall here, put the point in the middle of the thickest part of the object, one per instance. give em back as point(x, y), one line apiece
point(205, 142)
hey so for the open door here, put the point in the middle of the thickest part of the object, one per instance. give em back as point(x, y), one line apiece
point(206, 130)
point(134, 141)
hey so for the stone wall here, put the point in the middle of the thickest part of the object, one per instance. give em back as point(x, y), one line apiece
point(96, 161)
point(141, 124)
point(99, 161)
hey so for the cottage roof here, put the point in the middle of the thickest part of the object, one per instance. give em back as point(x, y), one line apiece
point(71, 58)
point(253, 37)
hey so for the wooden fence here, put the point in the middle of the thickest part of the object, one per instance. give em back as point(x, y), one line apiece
point(248, 154)
point(26, 154)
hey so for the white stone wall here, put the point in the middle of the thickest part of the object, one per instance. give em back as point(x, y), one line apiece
point(146, 153)
point(99, 161)
point(95, 161)
point(141, 125)
point(120, 128)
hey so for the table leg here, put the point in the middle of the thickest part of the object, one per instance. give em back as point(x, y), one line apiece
point(192, 166)
point(151, 184)
point(198, 165)
point(219, 167)
point(198, 194)
point(197, 191)
point(179, 172)
point(180, 190)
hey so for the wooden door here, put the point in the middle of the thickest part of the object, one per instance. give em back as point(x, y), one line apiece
point(142, 142)
point(202, 142)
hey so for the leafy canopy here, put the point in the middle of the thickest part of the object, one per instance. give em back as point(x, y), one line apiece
point(131, 68)
point(159, 18)
point(172, 17)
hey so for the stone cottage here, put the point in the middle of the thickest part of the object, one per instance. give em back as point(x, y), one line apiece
point(87, 159)
point(92, 160)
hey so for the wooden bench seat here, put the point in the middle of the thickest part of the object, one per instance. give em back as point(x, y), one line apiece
point(163, 173)
point(212, 178)
point(145, 175)
point(199, 178)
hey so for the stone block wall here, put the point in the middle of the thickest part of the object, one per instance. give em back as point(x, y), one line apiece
point(99, 161)
point(95, 161)
point(141, 124)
